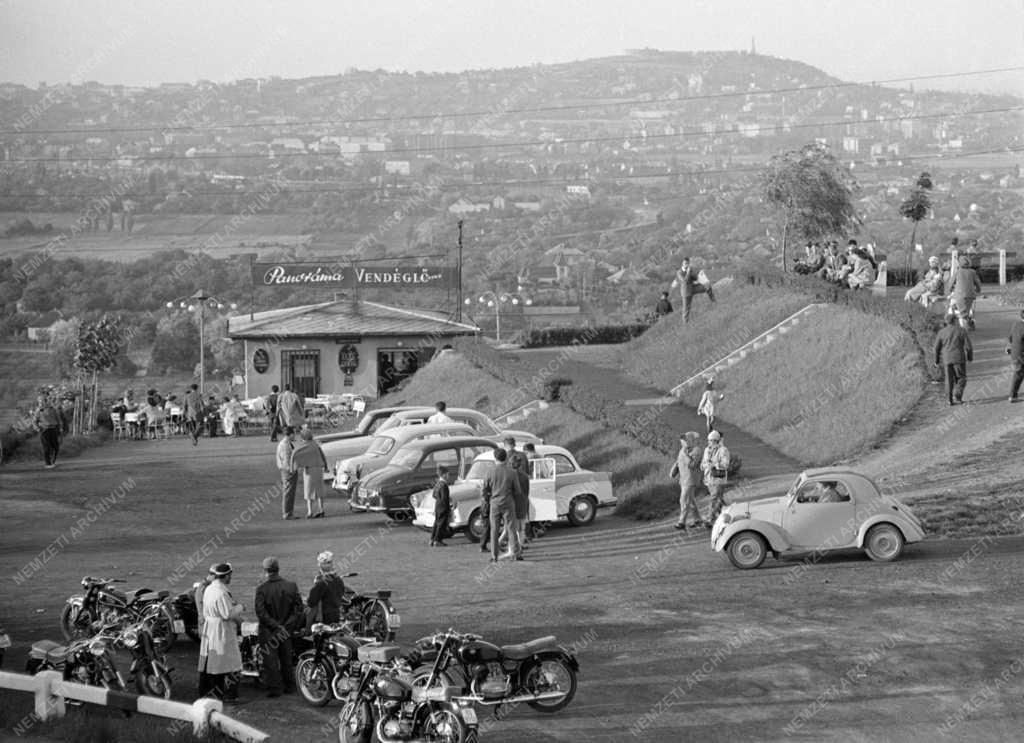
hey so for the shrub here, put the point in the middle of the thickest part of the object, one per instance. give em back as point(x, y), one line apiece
point(543, 337)
point(553, 388)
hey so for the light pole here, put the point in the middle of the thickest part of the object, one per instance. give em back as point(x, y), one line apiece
point(200, 300)
point(495, 300)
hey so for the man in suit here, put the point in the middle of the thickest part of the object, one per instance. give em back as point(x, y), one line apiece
point(442, 506)
point(686, 281)
point(953, 349)
point(193, 411)
point(500, 490)
point(279, 610)
point(1016, 351)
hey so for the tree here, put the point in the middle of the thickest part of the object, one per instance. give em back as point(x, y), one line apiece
point(813, 192)
point(916, 207)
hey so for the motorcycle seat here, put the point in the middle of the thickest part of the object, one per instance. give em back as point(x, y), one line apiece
point(50, 650)
point(526, 649)
point(148, 596)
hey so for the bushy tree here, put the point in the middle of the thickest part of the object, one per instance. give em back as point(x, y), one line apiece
point(176, 345)
point(916, 207)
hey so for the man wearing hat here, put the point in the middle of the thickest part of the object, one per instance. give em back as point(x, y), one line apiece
point(929, 286)
point(1016, 352)
point(219, 657)
point(715, 465)
point(687, 469)
point(520, 463)
point(279, 611)
point(965, 286)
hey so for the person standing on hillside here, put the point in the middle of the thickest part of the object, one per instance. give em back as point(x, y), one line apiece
point(708, 405)
point(1016, 351)
point(689, 286)
point(289, 475)
point(50, 425)
point(715, 466)
point(953, 350)
point(687, 470)
point(271, 406)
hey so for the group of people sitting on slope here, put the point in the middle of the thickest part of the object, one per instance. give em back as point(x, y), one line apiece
point(961, 286)
point(857, 268)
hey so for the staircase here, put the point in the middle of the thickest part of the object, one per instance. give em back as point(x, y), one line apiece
point(521, 413)
point(768, 336)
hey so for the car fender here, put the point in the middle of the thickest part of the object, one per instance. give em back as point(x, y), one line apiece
point(909, 530)
point(773, 534)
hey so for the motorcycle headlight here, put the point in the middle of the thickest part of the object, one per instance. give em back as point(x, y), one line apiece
point(130, 638)
point(97, 647)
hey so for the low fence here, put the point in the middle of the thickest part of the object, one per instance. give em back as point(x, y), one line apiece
point(51, 691)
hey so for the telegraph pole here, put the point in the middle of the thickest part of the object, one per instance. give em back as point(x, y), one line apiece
point(459, 290)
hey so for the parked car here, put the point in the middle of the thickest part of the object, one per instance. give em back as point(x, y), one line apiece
point(340, 445)
point(383, 446)
point(481, 423)
point(559, 488)
point(829, 508)
point(414, 468)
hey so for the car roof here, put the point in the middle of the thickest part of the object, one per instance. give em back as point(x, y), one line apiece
point(405, 433)
point(450, 441)
point(413, 412)
point(543, 450)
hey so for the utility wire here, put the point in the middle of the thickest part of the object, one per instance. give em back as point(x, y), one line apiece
point(504, 112)
point(156, 158)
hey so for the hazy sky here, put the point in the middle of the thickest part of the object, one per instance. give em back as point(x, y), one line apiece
point(142, 42)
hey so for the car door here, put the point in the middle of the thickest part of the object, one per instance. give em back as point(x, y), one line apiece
point(543, 499)
point(813, 525)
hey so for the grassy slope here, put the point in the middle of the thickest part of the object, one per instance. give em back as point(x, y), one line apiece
point(639, 474)
point(826, 390)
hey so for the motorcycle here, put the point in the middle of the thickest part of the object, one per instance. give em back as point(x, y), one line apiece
point(87, 660)
point(103, 605)
point(541, 672)
point(149, 666)
point(329, 670)
point(185, 609)
point(370, 616)
point(385, 702)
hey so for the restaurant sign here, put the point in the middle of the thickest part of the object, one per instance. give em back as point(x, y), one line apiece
point(336, 276)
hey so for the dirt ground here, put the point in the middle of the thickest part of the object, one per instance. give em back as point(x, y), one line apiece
point(673, 643)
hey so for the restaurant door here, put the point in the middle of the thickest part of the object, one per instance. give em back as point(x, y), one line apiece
point(301, 370)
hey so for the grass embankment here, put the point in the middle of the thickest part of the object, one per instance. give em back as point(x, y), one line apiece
point(639, 473)
point(823, 391)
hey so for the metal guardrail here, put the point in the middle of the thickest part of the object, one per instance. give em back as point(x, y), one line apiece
point(51, 692)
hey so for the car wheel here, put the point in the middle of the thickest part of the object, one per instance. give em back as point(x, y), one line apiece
point(884, 542)
point(582, 510)
point(476, 526)
point(747, 550)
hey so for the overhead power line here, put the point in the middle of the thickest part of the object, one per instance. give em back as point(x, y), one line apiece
point(504, 112)
point(157, 158)
point(462, 186)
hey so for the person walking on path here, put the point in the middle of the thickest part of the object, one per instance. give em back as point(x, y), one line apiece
point(50, 426)
point(687, 469)
point(310, 459)
point(500, 489)
point(289, 475)
point(708, 405)
point(715, 466)
point(952, 351)
point(290, 409)
point(278, 608)
point(687, 282)
point(964, 289)
point(442, 506)
point(271, 406)
point(1016, 351)
point(192, 412)
point(219, 656)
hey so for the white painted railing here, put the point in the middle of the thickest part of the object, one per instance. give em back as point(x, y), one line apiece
point(521, 413)
point(51, 692)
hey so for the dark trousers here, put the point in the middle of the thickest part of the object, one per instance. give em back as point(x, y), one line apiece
point(275, 427)
point(289, 481)
point(212, 424)
point(485, 515)
point(688, 296)
point(440, 531)
point(956, 380)
point(276, 648)
point(50, 438)
point(1018, 377)
point(218, 685)
point(192, 428)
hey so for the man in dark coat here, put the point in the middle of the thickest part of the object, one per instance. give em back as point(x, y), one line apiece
point(953, 350)
point(520, 462)
point(279, 610)
point(442, 506)
point(1016, 351)
point(275, 424)
point(664, 306)
point(500, 490)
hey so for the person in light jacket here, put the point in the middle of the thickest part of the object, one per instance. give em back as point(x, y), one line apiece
point(715, 466)
point(965, 288)
point(687, 469)
point(708, 405)
point(308, 458)
point(219, 656)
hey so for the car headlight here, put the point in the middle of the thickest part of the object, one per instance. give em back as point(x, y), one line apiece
point(414, 500)
point(726, 518)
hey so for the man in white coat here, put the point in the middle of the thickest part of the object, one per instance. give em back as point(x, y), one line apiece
point(220, 660)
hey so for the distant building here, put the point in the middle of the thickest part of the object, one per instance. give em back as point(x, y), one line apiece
point(465, 206)
point(578, 190)
point(399, 167)
point(40, 329)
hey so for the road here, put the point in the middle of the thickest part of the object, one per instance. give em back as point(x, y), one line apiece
point(673, 643)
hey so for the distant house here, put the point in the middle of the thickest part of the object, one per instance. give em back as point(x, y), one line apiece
point(564, 260)
point(41, 328)
point(578, 190)
point(527, 206)
point(465, 206)
point(288, 144)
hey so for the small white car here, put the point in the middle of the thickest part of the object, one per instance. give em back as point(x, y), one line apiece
point(559, 488)
point(829, 508)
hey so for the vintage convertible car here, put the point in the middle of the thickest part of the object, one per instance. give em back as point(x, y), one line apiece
point(559, 488)
point(830, 508)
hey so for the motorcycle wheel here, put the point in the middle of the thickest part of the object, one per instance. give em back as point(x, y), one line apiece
point(420, 675)
point(375, 622)
point(162, 627)
point(445, 726)
point(314, 681)
point(546, 675)
point(154, 683)
point(75, 622)
point(359, 728)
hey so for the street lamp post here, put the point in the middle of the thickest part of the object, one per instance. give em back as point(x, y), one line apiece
point(495, 300)
point(201, 300)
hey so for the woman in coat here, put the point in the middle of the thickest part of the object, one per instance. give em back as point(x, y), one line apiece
point(708, 405)
point(308, 458)
point(220, 660)
point(687, 470)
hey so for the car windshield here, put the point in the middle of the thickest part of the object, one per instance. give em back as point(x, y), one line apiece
point(796, 485)
point(407, 458)
point(380, 445)
point(480, 469)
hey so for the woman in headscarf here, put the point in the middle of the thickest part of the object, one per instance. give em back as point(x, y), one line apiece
point(328, 593)
point(308, 458)
point(687, 469)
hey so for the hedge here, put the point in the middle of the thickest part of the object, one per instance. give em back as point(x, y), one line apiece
point(543, 337)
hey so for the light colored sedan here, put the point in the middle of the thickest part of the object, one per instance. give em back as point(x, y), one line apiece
point(829, 508)
point(559, 488)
